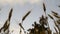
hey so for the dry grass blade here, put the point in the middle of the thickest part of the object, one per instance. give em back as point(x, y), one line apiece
point(20, 31)
point(56, 30)
point(58, 21)
point(7, 27)
point(26, 16)
point(44, 7)
point(7, 23)
point(56, 25)
point(50, 16)
point(8, 20)
point(57, 16)
point(4, 26)
point(54, 13)
point(21, 26)
point(10, 14)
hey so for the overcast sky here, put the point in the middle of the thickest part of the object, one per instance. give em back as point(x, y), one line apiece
point(21, 7)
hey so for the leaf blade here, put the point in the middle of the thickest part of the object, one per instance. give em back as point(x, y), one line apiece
point(44, 7)
point(24, 17)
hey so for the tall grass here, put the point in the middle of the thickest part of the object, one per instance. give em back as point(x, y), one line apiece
point(7, 23)
point(24, 17)
point(38, 28)
point(41, 29)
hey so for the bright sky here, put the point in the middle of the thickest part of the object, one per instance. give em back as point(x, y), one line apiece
point(21, 7)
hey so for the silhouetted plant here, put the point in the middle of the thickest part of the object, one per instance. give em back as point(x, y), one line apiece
point(24, 17)
point(55, 14)
point(7, 23)
point(38, 28)
point(50, 16)
point(44, 7)
point(57, 22)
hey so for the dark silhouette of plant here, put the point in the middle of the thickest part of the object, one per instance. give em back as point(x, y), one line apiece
point(57, 22)
point(55, 14)
point(24, 17)
point(44, 8)
point(21, 27)
point(50, 16)
point(38, 28)
point(7, 23)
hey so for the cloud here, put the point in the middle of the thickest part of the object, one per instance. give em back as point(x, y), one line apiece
point(19, 1)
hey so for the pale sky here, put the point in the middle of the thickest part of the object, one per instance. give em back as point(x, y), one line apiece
point(21, 7)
